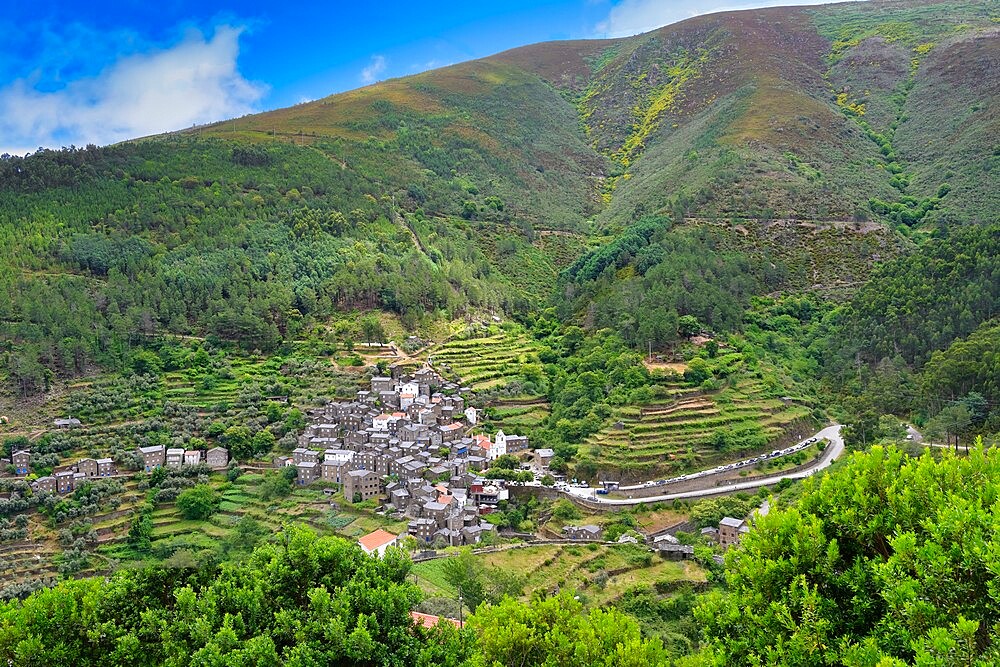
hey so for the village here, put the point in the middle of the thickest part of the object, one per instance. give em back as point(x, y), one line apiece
point(411, 445)
point(402, 441)
point(408, 444)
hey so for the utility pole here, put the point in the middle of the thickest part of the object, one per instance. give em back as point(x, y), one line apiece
point(461, 624)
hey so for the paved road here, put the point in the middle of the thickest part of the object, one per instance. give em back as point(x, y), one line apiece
point(830, 454)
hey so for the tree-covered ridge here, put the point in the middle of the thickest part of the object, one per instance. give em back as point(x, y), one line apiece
point(917, 304)
point(107, 246)
point(887, 561)
point(655, 284)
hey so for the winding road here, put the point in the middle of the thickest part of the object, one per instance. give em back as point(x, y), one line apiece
point(830, 454)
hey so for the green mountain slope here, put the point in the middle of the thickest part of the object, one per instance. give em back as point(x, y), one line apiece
point(467, 132)
point(761, 114)
point(475, 185)
point(774, 112)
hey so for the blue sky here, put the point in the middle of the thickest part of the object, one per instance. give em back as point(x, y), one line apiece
point(96, 71)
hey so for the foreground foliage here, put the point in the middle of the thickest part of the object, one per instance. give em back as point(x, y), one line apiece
point(299, 601)
point(888, 561)
point(305, 601)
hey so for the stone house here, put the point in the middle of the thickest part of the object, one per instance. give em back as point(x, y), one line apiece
point(105, 467)
point(217, 458)
point(588, 532)
point(451, 432)
point(152, 456)
point(364, 483)
point(731, 530)
point(45, 485)
point(87, 466)
point(64, 481)
point(422, 529)
point(675, 551)
point(543, 457)
point(326, 430)
point(301, 454)
point(307, 472)
point(192, 457)
point(381, 383)
point(21, 461)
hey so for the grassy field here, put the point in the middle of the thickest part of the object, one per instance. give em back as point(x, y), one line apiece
point(600, 572)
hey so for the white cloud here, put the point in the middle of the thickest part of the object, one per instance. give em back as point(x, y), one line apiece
point(194, 82)
point(630, 17)
point(372, 71)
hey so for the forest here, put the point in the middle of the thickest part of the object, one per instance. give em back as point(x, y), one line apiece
point(108, 247)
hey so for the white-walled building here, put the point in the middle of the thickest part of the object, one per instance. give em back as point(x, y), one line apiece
point(378, 542)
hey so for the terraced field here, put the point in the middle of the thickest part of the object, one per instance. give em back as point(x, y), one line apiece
point(38, 556)
point(579, 567)
point(208, 390)
point(694, 430)
point(484, 362)
point(309, 506)
point(517, 416)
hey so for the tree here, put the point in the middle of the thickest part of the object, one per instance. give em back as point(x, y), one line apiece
point(262, 442)
point(346, 609)
point(467, 575)
point(919, 542)
point(239, 440)
point(976, 404)
point(557, 631)
point(275, 485)
point(953, 420)
point(564, 510)
point(688, 325)
point(145, 362)
point(198, 503)
point(506, 462)
point(140, 531)
point(372, 330)
point(697, 371)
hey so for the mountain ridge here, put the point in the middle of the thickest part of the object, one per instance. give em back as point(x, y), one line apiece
point(751, 111)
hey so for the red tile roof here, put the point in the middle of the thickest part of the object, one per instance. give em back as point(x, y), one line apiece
point(373, 541)
point(429, 621)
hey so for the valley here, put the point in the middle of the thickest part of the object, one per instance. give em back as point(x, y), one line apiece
point(605, 351)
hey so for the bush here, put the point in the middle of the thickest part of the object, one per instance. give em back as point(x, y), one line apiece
point(565, 510)
point(198, 503)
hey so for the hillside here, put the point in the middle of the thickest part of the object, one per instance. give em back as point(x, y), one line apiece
point(633, 184)
point(787, 112)
point(638, 258)
point(805, 113)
